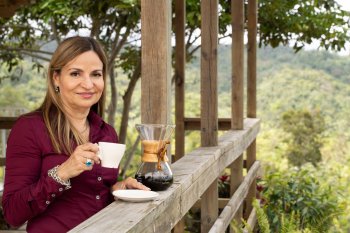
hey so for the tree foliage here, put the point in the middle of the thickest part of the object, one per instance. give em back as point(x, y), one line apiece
point(298, 197)
point(300, 22)
point(116, 24)
point(305, 130)
point(35, 30)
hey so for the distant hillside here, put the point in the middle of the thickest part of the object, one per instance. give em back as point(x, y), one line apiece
point(315, 80)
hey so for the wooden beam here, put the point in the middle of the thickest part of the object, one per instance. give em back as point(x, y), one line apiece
point(8, 8)
point(251, 222)
point(2, 162)
point(195, 123)
point(237, 7)
point(251, 60)
point(7, 122)
point(236, 201)
point(222, 203)
point(7, 12)
point(251, 95)
point(180, 61)
point(180, 58)
point(156, 61)
point(193, 174)
point(236, 179)
point(209, 102)
point(209, 95)
point(251, 158)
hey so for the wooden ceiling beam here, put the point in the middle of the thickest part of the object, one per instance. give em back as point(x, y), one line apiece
point(9, 7)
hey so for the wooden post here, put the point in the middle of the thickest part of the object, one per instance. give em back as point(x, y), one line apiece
point(156, 61)
point(209, 103)
point(209, 96)
point(180, 58)
point(251, 66)
point(235, 180)
point(251, 95)
point(180, 61)
point(237, 7)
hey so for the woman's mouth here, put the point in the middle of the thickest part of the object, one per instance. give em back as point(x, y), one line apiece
point(86, 95)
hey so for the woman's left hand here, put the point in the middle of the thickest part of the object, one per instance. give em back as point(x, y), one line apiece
point(129, 183)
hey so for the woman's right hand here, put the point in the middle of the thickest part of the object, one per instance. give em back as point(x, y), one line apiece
point(76, 163)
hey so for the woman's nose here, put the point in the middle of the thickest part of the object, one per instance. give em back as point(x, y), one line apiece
point(87, 82)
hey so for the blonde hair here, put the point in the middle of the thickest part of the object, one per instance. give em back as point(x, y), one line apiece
point(61, 131)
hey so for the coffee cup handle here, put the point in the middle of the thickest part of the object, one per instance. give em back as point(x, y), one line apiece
point(99, 151)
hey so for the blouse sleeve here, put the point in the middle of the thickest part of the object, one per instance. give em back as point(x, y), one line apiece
point(27, 192)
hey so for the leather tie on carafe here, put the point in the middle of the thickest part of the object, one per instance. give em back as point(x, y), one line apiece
point(153, 152)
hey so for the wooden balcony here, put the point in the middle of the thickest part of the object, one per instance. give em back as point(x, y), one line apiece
point(193, 174)
point(196, 173)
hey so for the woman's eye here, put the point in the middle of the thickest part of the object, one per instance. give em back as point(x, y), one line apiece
point(97, 75)
point(74, 74)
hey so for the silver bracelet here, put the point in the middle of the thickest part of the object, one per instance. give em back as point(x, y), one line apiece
point(53, 174)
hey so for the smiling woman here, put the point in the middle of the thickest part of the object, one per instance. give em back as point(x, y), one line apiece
point(51, 157)
point(81, 84)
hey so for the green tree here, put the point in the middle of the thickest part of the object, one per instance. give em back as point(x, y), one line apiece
point(34, 30)
point(301, 22)
point(116, 24)
point(300, 197)
point(304, 130)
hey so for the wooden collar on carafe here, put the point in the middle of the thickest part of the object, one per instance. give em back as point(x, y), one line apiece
point(152, 149)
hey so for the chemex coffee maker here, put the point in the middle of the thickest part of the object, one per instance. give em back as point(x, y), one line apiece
point(154, 171)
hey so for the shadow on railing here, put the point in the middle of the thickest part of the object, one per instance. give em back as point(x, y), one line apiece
point(193, 174)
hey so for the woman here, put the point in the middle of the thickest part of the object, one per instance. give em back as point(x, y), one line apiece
point(54, 179)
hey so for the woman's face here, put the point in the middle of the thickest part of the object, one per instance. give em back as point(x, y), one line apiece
point(81, 82)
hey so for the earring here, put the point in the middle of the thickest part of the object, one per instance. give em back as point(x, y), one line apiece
point(57, 89)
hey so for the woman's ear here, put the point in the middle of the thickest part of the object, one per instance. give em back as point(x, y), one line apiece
point(56, 76)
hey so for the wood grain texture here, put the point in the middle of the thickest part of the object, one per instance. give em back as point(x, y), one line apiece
point(251, 158)
point(236, 201)
point(251, 222)
point(236, 179)
point(193, 174)
point(209, 103)
point(7, 122)
point(209, 207)
point(156, 61)
point(180, 58)
point(209, 73)
point(251, 59)
point(237, 7)
point(195, 123)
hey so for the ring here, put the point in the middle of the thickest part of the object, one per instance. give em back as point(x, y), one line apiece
point(88, 162)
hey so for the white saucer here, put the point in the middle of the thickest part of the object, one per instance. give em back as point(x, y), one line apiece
point(135, 195)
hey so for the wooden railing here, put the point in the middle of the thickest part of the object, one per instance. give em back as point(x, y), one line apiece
point(193, 174)
point(6, 123)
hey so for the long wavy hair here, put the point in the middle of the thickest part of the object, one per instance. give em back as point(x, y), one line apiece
point(62, 134)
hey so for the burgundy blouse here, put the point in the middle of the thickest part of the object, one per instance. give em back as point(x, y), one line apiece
point(30, 195)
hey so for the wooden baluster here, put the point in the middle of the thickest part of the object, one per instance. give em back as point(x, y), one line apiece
point(209, 103)
point(237, 7)
point(251, 95)
point(180, 58)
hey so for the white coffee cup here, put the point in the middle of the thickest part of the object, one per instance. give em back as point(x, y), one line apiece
point(110, 154)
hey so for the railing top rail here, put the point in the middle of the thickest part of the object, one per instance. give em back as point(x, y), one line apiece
point(192, 175)
point(7, 122)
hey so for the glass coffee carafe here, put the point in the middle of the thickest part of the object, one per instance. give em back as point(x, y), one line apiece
point(154, 171)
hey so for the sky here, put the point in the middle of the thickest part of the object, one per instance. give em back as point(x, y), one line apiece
point(345, 4)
